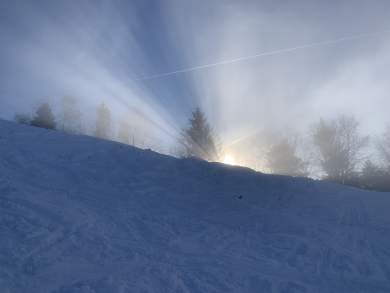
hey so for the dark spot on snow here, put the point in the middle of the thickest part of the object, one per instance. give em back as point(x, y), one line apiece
point(239, 197)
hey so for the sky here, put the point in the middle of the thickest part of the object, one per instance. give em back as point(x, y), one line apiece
point(315, 59)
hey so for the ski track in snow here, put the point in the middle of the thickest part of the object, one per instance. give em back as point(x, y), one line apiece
point(82, 215)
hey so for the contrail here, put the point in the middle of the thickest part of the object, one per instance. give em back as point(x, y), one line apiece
point(262, 54)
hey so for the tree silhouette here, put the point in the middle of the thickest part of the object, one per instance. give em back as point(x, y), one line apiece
point(44, 117)
point(339, 146)
point(282, 159)
point(384, 148)
point(197, 139)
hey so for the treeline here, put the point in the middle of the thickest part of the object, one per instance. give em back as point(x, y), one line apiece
point(333, 150)
point(338, 152)
point(70, 120)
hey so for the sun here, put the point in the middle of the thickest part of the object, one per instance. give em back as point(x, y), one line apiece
point(229, 159)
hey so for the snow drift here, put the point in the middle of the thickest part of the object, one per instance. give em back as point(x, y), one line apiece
point(82, 215)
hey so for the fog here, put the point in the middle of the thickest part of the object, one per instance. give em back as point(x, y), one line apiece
point(254, 67)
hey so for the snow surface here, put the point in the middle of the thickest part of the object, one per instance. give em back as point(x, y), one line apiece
point(82, 215)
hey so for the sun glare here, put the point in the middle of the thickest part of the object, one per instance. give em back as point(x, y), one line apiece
point(229, 160)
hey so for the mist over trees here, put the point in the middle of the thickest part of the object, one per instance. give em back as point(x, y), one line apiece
point(198, 139)
point(44, 117)
point(335, 150)
point(340, 147)
point(103, 122)
point(374, 177)
point(124, 132)
point(282, 159)
point(71, 116)
point(340, 151)
point(22, 118)
point(132, 128)
point(384, 148)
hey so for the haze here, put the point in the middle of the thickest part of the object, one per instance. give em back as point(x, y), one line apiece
point(126, 54)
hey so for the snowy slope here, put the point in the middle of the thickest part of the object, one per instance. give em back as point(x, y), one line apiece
point(82, 215)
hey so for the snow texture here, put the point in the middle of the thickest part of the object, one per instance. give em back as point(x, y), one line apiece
point(79, 214)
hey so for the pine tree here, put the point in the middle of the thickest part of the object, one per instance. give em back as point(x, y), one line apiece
point(103, 122)
point(44, 117)
point(198, 140)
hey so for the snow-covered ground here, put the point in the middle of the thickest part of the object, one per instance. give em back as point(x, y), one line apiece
point(82, 215)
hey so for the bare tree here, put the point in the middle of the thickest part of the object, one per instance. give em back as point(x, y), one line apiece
point(282, 159)
point(339, 147)
point(198, 140)
point(384, 148)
